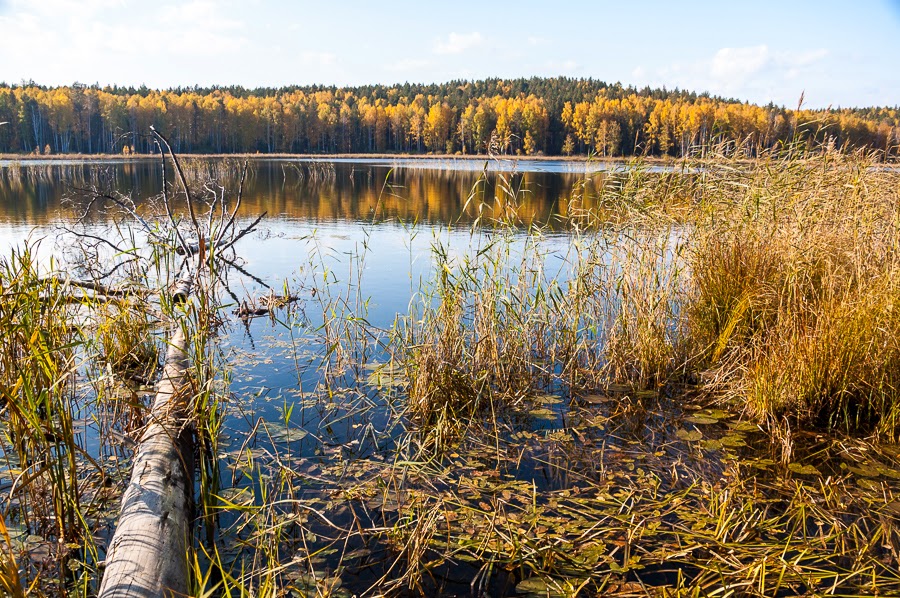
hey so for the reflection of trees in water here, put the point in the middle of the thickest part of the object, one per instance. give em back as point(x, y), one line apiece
point(319, 191)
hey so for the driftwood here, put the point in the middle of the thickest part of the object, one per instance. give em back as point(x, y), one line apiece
point(102, 290)
point(148, 555)
point(263, 305)
point(149, 552)
point(222, 244)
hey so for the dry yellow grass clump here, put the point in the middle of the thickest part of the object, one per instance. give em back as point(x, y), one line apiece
point(794, 292)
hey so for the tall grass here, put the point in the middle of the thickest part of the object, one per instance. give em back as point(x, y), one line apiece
point(793, 295)
point(515, 316)
point(124, 335)
point(773, 280)
point(37, 384)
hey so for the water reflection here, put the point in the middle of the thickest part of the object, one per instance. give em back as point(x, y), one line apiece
point(340, 190)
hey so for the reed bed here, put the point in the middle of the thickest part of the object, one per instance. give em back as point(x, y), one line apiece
point(793, 288)
point(623, 413)
point(47, 472)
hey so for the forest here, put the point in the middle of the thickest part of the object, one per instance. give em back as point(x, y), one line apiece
point(536, 116)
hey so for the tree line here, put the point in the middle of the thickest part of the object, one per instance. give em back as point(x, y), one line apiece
point(537, 116)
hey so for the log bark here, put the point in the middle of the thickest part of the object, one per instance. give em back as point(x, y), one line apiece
point(149, 552)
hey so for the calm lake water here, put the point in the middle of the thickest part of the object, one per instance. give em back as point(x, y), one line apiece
point(310, 390)
point(362, 232)
point(390, 211)
point(320, 214)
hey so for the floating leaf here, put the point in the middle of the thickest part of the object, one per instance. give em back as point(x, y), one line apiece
point(713, 413)
point(733, 440)
point(871, 485)
point(744, 426)
point(892, 507)
point(803, 469)
point(865, 470)
point(712, 445)
point(689, 435)
point(887, 472)
point(357, 554)
point(701, 420)
point(618, 388)
point(596, 399)
point(547, 399)
point(543, 413)
point(538, 586)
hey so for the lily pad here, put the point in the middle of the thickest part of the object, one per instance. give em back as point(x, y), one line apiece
point(870, 485)
point(701, 420)
point(543, 413)
point(712, 445)
point(547, 399)
point(537, 586)
point(803, 469)
point(744, 426)
point(618, 388)
point(689, 435)
point(733, 440)
point(596, 399)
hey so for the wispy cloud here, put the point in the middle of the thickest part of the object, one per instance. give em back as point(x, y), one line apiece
point(457, 43)
point(311, 58)
point(734, 66)
point(408, 64)
point(758, 73)
point(731, 64)
point(66, 40)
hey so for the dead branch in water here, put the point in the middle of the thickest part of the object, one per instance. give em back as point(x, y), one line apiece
point(148, 555)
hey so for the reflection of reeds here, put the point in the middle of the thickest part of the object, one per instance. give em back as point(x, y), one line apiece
point(226, 172)
point(10, 581)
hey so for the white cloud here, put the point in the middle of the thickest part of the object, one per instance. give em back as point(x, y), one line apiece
point(310, 58)
point(457, 43)
point(199, 14)
point(408, 64)
point(757, 73)
point(734, 64)
point(61, 41)
point(57, 7)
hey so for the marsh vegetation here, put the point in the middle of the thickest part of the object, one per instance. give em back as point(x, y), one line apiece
point(624, 381)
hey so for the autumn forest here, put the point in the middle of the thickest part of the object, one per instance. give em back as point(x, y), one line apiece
point(537, 116)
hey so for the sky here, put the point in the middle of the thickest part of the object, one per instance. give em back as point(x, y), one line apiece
point(835, 53)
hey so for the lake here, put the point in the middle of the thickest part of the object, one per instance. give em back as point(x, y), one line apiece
point(592, 463)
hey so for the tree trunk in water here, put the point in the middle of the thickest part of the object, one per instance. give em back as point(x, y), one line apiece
point(149, 552)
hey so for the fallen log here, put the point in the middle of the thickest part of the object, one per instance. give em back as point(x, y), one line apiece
point(149, 552)
point(266, 304)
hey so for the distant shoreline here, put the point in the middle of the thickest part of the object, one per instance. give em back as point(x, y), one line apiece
point(355, 156)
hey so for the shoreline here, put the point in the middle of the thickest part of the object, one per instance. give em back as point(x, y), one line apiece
point(7, 160)
point(324, 157)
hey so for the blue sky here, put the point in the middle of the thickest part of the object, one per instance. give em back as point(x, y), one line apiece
point(839, 53)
